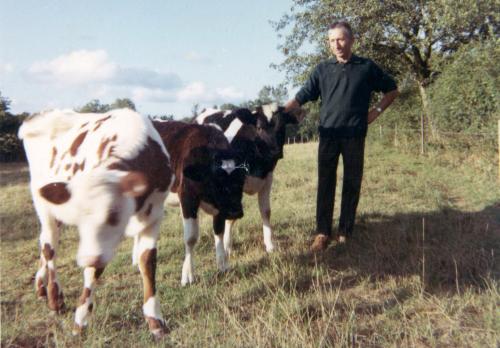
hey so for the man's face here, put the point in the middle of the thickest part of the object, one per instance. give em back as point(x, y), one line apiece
point(340, 43)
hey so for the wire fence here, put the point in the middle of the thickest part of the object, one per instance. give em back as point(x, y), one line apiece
point(485, 144)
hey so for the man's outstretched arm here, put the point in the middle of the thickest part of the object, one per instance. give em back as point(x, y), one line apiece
point(384, 103)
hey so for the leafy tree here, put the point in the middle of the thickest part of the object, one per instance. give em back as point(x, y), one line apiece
point(94, 106)
point(404, 36)
point(4, 105)
point(266, 95)
point(10, 146)
point(122, 103)
point(269, 94)
point(228, 106)
point(164, 117)
point(195, 110)
point(465, 96)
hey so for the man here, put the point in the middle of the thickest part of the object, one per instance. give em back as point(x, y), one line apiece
point(345, 84)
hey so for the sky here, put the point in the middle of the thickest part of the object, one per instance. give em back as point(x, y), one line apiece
point(164, 55)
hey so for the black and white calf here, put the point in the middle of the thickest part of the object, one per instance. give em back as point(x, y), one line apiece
point(261, 156)
point(208, 176)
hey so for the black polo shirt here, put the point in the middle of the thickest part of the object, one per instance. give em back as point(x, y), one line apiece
point(345, 91)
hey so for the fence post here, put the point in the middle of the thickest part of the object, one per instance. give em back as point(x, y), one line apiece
point(422, 135)
point(380, 131)
point(396, 142)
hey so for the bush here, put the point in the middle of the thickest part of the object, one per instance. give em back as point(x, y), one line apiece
point(465, 96)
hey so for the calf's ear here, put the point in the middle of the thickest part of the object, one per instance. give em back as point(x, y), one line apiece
point(133, 184)
point(56, 192)
point(196, 172)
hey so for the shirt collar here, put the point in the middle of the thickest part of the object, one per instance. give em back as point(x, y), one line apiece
point(353, 60)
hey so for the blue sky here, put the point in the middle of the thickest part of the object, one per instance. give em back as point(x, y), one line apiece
point(164, 55)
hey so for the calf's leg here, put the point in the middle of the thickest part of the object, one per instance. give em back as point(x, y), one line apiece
point(265, 211)
point(191, 234)
point(220, 253)
point(85, 302)
point(147, 265)
point(46, 282)
point(227, 237)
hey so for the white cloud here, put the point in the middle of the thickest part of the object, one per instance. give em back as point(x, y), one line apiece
point(195, 91)
point(84, 67)
point(76, 67)
point(199, 93)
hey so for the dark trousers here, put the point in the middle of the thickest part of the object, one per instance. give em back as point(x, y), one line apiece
point(352, 150)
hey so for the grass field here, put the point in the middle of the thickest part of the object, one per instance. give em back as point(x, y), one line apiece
point(421, 271)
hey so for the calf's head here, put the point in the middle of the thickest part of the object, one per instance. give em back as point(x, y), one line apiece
point(221, 178)
point(271, 126)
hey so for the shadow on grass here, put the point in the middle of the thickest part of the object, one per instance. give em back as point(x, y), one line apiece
point(449, 249)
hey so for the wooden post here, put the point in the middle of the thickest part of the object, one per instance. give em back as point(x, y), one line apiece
point(396, 135)
point(499, 149)
point(380, 131)
point(422, 135)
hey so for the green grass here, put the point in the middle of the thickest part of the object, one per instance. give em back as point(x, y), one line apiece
point(421, 271)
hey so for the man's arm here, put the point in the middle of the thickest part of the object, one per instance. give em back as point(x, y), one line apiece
point(387, 100)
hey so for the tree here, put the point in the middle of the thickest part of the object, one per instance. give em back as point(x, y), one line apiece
point(228, 106)
point(122, 103)
point(195, 110)
point(404, 36)
point(4, 105)
point(267, 94)
point(465, 96)
point(94, 106)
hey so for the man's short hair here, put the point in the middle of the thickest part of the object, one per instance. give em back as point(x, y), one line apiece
point(342, 24)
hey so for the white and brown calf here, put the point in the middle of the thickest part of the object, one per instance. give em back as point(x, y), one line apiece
point(109, 175)
point(262, 154)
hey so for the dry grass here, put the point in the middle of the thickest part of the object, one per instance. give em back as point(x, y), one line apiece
point(376, 291)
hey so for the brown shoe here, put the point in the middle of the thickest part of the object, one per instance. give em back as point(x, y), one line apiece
point(320, 243)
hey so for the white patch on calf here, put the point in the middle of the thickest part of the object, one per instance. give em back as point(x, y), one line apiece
point(207, 112)
point(216, 126)
point(152, 308)
point(233, 129)
point(269, 110)
point(220, 254)
point(191, 232)
point(82, 313)
point(228, 165)
point(265, 211)
point(227, 237)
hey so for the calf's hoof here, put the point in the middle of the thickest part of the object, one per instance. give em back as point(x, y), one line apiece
point(56, 301)
point(77, 330)
point(157, 327)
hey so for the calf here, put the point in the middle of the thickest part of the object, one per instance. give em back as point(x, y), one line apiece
point(108, 174)
point(208, 175)
point(270, 121)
